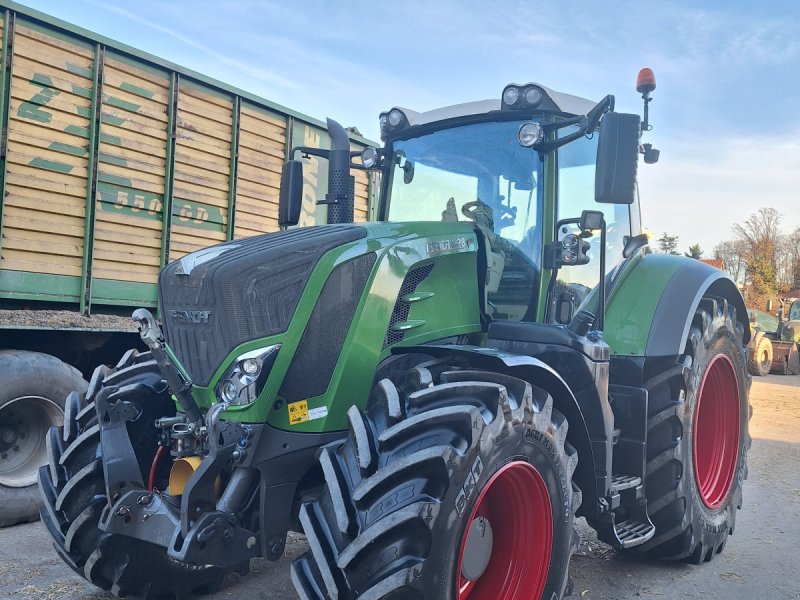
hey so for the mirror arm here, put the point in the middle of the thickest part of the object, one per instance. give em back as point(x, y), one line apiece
point(580, 121)
point(311, 151)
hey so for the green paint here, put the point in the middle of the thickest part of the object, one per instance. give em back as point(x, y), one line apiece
point(39, 286)
point(452, 309)
point(169, 168)
point(110, 119)
point(69, 149)
point(91, 183)
point(548, 211)
point(632, 304)
point(77, 130)
point(196, 214)
point(123, 104)
point(78, 70)
point(110, 139)
point(125, 293)
point(81, 91)
point(234, 167)
point(50, 165)
point(110, 159)
point(6, 59)
point(135, 89)
point(31, 109)
point(119, 197)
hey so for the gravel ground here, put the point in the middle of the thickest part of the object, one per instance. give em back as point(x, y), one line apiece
point(63, 318)
point(759, 561)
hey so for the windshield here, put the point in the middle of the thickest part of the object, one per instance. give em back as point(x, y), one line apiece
point(478, 173)
point(472, 170)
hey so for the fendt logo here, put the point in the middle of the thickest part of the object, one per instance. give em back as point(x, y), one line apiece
point(198, 317)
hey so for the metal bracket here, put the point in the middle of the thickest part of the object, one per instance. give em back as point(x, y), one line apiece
point(120, 466)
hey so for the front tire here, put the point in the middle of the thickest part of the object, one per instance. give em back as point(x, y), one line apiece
point(32, 393)
point(698, 439)
point(436, 462)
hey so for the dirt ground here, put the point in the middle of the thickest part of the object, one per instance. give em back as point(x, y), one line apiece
point(759, 561)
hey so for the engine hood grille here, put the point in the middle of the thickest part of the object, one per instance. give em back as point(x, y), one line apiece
point(217, 298)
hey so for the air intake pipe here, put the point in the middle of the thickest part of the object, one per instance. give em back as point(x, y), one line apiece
point(341, 185)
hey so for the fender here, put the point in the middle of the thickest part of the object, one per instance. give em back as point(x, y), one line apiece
point(651, 307)
point(539, 374)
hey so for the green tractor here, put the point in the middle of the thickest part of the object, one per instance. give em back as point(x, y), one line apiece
point(433, 398)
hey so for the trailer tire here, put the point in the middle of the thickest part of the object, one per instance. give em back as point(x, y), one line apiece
point(73, 488)
point(424, 473)
point(698, 439)
point(759, 361)
point(34, 386)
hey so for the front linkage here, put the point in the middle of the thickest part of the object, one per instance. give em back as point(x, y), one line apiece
point(204, 527)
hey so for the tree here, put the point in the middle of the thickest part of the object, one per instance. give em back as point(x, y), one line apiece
point(668, 244)
point(695, 251)
point(731, 254)
point(760, 235)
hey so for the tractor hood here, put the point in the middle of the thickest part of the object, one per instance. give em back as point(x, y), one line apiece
point(215, 299)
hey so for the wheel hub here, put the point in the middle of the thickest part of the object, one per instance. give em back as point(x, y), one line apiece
point(716, 431)
point(478, 549)
point(505, 551)
point(8, 435)
point(24, 422)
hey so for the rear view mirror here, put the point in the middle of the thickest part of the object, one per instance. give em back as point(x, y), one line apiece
point(291, 194)
point(617, 159)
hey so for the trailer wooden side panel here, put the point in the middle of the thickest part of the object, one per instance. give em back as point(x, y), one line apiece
point(116, 162)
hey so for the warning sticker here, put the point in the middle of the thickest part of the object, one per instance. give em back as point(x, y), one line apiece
point(300, 413)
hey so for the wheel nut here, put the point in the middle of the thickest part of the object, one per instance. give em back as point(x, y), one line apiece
point(16, 448)
point(144, 500)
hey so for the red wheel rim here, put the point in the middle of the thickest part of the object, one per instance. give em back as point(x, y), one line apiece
point(716, 431)
point(517, 505)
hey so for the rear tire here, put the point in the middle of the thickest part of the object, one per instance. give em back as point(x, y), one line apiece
point(698, 439)
point(430, 458)
point(32, 393)
point(73, 488)
point(760, 357)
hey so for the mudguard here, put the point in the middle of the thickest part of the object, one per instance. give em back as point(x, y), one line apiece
point(653, 300)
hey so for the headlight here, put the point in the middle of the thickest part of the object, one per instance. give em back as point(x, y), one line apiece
point(530, 134)
point(245, 378)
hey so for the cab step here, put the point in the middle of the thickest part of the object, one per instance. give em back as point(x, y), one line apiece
point(624, 482)
point(632, 532)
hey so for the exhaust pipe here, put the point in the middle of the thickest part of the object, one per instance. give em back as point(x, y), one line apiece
point(341, 185)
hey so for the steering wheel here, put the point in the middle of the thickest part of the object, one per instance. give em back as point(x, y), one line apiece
point(478, 209)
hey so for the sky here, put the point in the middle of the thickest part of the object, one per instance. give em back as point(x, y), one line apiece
point(725, 114)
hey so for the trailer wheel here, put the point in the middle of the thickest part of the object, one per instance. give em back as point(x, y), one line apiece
point(457, 488)
point(73, 488)
point(760, 359)
point(33, 387)
point(698, 439)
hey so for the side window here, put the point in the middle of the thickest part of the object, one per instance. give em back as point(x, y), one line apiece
point(575, 194)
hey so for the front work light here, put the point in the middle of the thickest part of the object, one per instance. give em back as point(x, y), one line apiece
point(369, 157)
point(511, 95)
point(530, 134)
